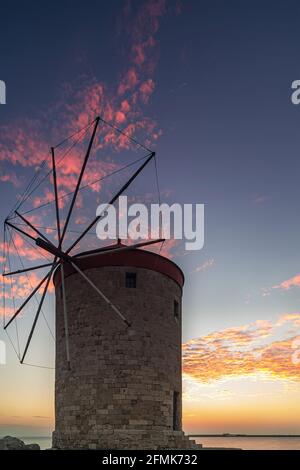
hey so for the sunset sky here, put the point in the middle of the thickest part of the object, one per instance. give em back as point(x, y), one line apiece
point(207, 85)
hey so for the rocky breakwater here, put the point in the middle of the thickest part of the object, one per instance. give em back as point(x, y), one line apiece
point(13, 443)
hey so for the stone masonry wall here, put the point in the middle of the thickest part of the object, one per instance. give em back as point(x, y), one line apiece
point(119, 391)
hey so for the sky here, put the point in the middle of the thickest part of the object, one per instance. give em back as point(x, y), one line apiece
point(207, 85)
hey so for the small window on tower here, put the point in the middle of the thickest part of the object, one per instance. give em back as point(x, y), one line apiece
point(176, 310)
point(130, 280)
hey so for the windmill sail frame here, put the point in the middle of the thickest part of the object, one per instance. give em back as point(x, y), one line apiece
point(63, 256)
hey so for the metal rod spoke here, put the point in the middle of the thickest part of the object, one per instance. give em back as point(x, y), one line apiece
point(37, 315)
point(19, 271)
point(113, 248)
point(20, 230)
point(79, 180)
point(62, 265)
point(56, 194)
point(112, 201)
point(32, 226)
point(30, 296)
point(62, 256)
point(65, 314)
point(90, 282)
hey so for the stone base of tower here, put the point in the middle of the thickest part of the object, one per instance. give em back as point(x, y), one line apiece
point(121, 439)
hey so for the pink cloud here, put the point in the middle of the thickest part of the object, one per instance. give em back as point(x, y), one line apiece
point(128, 82)
point(120, 117)
point(166, 249)
point(24, 284)
point(260, 199)
point(23, 144)
point(125, 106)
point(147, 89)
point(206, 265)
point(292, 282)
point(140, 50)
point(24, 250)
point(7, 311)
point(21, 285)
point(293, 318)
point(12, 178)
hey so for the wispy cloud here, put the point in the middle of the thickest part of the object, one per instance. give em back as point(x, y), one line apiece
point(41, 417)
point(11, 177)
point(19, 287)
point(260, 199)
point(206, 265)
point(292, 282)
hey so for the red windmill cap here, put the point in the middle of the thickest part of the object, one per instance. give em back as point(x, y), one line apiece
point(134, 257)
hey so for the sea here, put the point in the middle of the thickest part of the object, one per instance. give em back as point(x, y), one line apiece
point(251, 443)
point(45, 442)
point(240, 442)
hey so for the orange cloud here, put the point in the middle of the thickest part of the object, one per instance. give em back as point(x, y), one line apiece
point(22, 249)
point(241, 351)
point(292, 282)
point(293, 318)
point(19, 287)
point(24, 284)
point(7, 311)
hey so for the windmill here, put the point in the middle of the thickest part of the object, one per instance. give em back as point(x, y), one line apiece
point(18, 222)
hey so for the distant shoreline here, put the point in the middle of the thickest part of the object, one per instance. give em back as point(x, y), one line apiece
point(244, 435)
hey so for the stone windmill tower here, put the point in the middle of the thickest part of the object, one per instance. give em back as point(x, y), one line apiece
point(118, 338)
point(123, 390)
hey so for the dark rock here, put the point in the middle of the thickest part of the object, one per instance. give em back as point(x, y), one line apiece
point(32, 447)
point(13, 443)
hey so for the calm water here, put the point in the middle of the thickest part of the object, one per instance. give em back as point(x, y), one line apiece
point(247, 443)
point(252, 443)
point(43, 442)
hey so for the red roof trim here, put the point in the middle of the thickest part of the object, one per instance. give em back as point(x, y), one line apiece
point(136, 258)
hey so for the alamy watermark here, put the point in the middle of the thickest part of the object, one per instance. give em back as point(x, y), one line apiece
point(138, 221)
point(2, 92)
point(295, 96)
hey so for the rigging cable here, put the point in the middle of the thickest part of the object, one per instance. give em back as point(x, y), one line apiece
point(3, 271)
point(50, 171)
point(157, 180)
point(36, 365)
point(13, 298)
point(85, 128)
point(120, 131)
point(23, 266)
point(88, 184)
point(54, 229)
